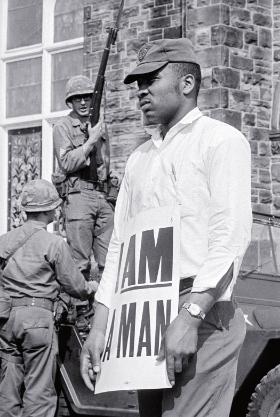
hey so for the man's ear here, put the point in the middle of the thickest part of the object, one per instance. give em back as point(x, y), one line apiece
point(188, 83)
point(69, 104)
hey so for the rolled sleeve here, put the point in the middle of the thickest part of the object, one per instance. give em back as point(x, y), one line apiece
point(230, 220)
point(106, 288)
point(70, 159)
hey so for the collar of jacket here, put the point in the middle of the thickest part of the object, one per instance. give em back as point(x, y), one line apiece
point(75, 120)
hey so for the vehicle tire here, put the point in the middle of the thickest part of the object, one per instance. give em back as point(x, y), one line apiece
point(265, 401)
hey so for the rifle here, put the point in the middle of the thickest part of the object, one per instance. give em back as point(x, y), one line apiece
point(99, 83)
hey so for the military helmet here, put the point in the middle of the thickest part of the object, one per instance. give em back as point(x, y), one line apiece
point(39, 195)
point(78, 85)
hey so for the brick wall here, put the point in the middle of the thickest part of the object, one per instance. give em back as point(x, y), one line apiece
point(238, 87)
point(142, 21)
point(275, 144)
point(238, 44)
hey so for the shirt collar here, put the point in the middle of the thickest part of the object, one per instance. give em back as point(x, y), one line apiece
point(190, 117)
point(35, 224)
point(156, 133)
point(75, 120)
point(187, 120)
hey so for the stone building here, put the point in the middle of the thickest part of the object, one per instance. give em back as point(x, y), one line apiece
point(41, 45)
point(44, 42)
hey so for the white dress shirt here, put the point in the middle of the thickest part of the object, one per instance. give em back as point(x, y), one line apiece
point(204, 165)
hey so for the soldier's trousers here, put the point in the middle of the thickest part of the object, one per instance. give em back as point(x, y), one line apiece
point(205, 388)
point(87, 214)
point(28, 349)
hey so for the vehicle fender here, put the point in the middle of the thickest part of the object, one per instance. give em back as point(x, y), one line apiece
point(267, 318)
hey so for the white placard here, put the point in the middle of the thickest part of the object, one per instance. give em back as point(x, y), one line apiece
point(144, 303)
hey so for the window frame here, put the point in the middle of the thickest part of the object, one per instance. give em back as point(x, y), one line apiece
point(46, 118)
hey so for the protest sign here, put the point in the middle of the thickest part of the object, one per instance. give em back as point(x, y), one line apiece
point(144, 303)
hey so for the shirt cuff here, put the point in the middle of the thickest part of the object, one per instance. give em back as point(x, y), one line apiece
point(199, 289)
point(211, 274)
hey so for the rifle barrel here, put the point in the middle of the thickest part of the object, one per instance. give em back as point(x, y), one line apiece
point(99, 83)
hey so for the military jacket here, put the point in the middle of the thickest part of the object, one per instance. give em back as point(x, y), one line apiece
point(41, 266)
point(69, 136)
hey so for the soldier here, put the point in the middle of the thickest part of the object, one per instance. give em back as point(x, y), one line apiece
point(35, 264)
point(203, 165)
point(82, 153)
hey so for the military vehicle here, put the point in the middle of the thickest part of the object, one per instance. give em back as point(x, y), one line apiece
point(258, 376)
point(258, 294)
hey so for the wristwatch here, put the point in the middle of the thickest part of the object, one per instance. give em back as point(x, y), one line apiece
point(194, 310)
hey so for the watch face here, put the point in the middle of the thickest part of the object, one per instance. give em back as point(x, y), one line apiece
point(194, 309)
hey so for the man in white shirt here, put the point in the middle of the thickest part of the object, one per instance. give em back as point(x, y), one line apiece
point(204, 166)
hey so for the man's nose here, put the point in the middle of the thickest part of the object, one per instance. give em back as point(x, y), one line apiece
point(83, 100)
point(142, 91)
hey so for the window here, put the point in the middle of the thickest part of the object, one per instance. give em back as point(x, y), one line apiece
point(68, 20)
point(64, 65)
point(262, 255)
point(24, 86)
point(24, 166)
point(41, 47)
point(24, 23)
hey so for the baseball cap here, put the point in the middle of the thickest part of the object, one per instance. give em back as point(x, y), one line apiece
point(155, 55)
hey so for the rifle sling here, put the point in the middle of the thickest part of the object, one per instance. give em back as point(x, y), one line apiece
point(19, 245)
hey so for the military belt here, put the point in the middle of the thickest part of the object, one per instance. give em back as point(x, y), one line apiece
point(33, 302)
point(91, 185)
point(87, 185)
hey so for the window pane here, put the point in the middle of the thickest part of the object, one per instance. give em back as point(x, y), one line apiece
point(24, 23)
point(64, 66)
point(24, 166)
point(68, 20)
point(24, 87)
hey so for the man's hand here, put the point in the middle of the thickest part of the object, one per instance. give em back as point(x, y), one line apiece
point(115, 178)
point(92, 287)
point(94, 346)
point(90, 357)
point(94, 134)
point(179, 343)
